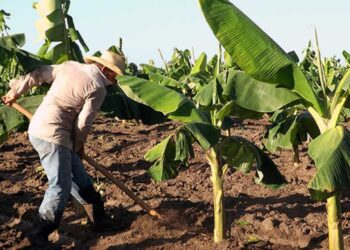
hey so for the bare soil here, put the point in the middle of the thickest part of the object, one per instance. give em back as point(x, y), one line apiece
point(257, 217)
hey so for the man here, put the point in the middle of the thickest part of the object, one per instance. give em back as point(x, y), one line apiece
point(59, 128)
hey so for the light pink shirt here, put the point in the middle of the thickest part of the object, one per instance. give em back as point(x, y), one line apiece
point(67, 112)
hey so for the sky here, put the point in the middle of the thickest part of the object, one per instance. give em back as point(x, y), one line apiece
point(149, 25)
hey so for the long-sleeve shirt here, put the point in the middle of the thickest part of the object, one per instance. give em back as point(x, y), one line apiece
point(67, 112)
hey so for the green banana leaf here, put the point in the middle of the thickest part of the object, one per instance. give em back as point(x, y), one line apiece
point(241, 154)
point(346, 56)
point(177, 148)
point(164, 168)
point(228, 60)
point(75, 34)
point(164, 81)
point(254, 95)
point(288, 131)
point(209, 94)
point(254, 51)
point(342, 89)
point(147, 68)
point(44, 48)
point(331, 153)
point(15, 40)
point(162, 99)
point(3, 16)
point(119, 105)
point(11, 120)
point(200, 65)
point(293, 56)
point(212, 64)
point(232, 109)
point(180, 64)
point(57, 54)
point(245, 92)
point(25, 60)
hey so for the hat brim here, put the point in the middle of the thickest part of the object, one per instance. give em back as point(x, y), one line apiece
point(92, 59)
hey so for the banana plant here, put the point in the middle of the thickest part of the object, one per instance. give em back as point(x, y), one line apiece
point(290, 127)
point(182, 75)
point(222, 152)
point(264, 60)
point(56, 25)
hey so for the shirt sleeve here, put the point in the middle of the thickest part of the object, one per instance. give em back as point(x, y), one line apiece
point(86, 117)
point(42, 74)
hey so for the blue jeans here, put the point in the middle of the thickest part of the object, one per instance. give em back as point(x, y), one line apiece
point(66, 175)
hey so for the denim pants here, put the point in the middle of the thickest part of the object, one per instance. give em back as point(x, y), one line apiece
point(66, 175)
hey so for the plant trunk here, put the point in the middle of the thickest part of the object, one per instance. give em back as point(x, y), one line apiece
point(335, 233)
point(218, 194)
point(296, 157)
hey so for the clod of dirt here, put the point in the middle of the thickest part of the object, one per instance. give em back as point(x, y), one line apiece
point(172, 220)
point(267, 224)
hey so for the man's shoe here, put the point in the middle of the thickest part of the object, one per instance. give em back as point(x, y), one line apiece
point(96, 216)
point(95, 208)
point(39, 236)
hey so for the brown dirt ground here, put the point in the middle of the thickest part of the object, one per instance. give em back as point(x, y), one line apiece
point(257, 218)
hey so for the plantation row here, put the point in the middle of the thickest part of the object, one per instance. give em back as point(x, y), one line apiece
point(251, 76)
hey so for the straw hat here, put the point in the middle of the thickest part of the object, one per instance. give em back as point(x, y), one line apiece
point(111, 60)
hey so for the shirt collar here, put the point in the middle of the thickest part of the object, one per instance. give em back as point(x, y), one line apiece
point(106, 82)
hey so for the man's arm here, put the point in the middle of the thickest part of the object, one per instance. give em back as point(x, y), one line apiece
point(20, 85)
point(86, 117)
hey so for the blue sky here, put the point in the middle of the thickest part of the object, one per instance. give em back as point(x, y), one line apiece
point(149, 25)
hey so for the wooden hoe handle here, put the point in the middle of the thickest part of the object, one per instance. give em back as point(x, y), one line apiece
point(22, 110)
point(101, 169)
point(117, 182)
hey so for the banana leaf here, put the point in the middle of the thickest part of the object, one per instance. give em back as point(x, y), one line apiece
point(254, 95)
point(119, 105)
point(147, 68)
point(164, 168)
point(288, 131)
point(3, 16)
point(346, 56)
point(241, 154)
point(244, 91)
point(177, 148)
point(234, 110)
point(177, 106)
point(331, 153)
point(254, 51)
point(165, 81)
point(200, 65)
point(15, 40)
point(209, 94)
point(25, 60)
point(75, 34)
point(11, 120)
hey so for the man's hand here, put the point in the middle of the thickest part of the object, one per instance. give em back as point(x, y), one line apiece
point(9, 98)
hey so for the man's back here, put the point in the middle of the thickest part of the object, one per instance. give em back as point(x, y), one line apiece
point(72, 85)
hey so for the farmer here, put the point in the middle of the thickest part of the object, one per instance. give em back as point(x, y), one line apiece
point(58, 131)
